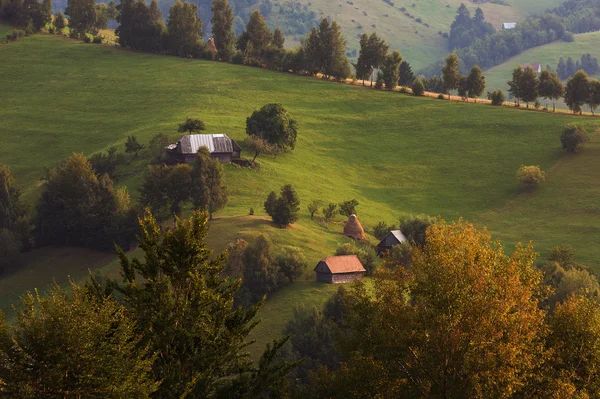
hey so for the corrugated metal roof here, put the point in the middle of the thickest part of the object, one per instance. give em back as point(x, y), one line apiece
point(509, 25)
point(190, 143)
point(399, 235)
point(343, 264)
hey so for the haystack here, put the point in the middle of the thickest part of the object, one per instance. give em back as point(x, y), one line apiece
point(353, 229)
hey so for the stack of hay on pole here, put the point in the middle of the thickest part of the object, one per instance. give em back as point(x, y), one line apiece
point(354, 229)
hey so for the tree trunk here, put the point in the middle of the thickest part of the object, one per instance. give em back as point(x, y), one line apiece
point(255, 155)
point(553, 106)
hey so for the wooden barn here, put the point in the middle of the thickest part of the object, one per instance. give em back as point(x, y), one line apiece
point(220, 147)
point(340, 269)
point(394, 237)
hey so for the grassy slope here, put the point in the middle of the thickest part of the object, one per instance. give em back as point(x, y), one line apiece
point(546, 55)
point(396, 154)
point(419, 44)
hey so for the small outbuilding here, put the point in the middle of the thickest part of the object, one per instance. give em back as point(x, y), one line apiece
point(394, 237)
point(537, 67)
point(220, 147)
point(354, 229)
point(509, 25)
point(340, 269)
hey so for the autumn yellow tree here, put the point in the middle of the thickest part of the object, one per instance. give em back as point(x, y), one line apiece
point(463, 322)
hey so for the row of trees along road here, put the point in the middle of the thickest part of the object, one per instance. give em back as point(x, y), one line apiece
point(579, 90)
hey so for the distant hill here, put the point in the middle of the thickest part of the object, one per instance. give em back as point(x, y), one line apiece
point(414, 27)
point(549, 54)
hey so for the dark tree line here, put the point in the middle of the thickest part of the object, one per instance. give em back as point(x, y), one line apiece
point(30, 14)
point(465, 30)
point(567, 69)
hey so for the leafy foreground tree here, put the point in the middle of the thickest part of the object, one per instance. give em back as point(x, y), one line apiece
point(550, 87)
point(133, 146)
point(577, 92)
point(451, 74)
point(222, 29)
point(73, 345)
point(464, 322)
point(183, 310)
point(208, 190)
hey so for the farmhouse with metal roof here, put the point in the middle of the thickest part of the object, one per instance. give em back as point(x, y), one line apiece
point(220, 147)
point(340, 269)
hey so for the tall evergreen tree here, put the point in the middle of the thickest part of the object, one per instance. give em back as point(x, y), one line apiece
point(46, 12)
point(362, 67)
point(184, 310)
point(391, 69)
point(184, 28)
point(59, 22)
point(550, 87)
point(577, 92)
point(82, 15)
point(257, 33)
point(222, 29)
point(561, 69)
point(407, 76)
point(278, 38)
point(450, 73)
point(475, 83)
point(154, 12)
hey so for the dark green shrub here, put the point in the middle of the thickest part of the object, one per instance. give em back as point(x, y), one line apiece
point(573, 137)
point(97, 40)
point(418, 88)
point(440, 97)
point(86, 39)
point(238, 58)
point(497, 97)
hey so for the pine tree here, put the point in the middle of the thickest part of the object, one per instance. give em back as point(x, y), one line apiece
point(82, 15)
point(184, 28)
point(46, 12)
point(362, 67)
point(561, 69)
point(391, 69)
point(450, 73)
point(278, 38)
point(222, 29)
point(59, 22)
point(154, 12)
point(406, 74)
point(183, 309)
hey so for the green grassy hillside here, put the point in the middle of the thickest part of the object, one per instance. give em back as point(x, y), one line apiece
point(396, 154)
point(420, 44)
point(549, 54)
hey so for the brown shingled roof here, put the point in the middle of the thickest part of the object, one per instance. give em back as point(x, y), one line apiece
point(340, 264)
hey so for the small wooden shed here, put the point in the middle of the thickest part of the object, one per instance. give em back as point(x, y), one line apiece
point(340, 269)
point(394, 237)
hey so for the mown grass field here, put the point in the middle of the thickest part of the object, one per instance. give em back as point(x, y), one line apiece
point(549, 54)
point(396, 154)
point(419, 44)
